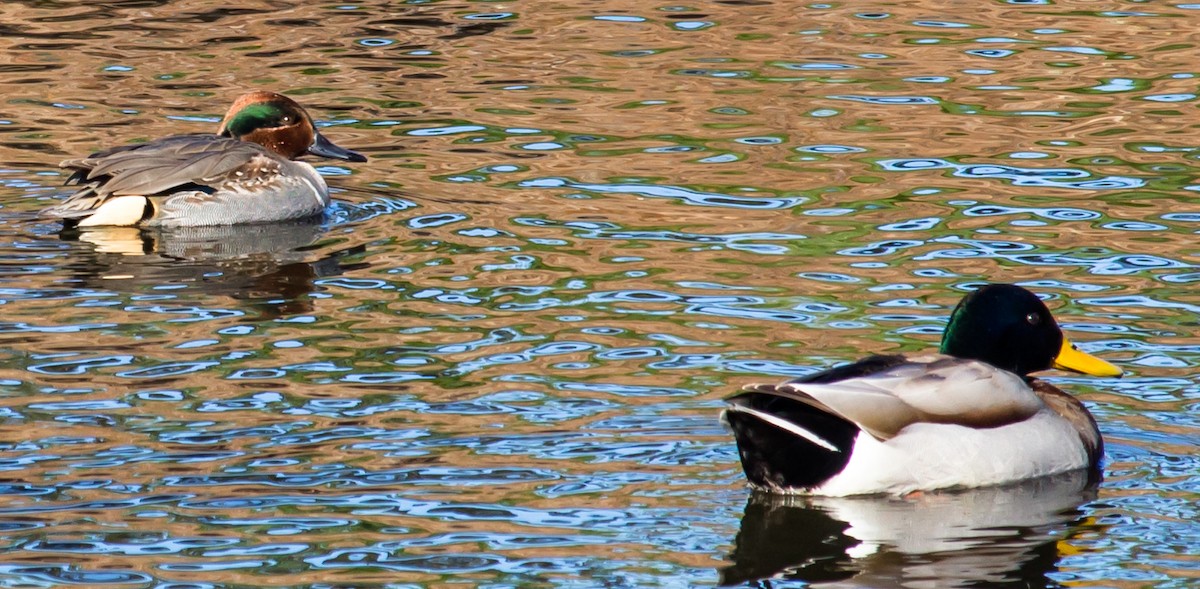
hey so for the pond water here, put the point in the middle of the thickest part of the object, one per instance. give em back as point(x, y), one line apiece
point(500, 360)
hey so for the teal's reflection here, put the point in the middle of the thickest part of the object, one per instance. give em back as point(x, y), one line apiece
point(270, 266)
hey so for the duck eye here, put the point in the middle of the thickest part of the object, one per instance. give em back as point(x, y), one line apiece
point(287, 118)
point(1033, 318)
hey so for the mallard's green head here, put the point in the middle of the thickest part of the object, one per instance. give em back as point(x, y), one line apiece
point(1010, 328)
point(278, 123)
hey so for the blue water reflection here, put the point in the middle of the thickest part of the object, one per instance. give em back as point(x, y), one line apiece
point(685, 195)
point(1017, 176)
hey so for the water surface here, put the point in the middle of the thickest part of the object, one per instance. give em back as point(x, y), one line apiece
point(499, 361)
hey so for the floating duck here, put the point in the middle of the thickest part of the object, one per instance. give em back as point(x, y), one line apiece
point(245, 173)
point(969, 416)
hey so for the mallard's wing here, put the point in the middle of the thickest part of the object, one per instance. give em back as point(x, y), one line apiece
point(931, 389)
point(184, 162)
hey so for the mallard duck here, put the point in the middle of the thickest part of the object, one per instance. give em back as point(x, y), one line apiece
point(969, 416)
point(245, 173)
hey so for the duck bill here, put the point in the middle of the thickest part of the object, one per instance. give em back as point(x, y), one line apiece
point(325, 148)
point(1070, 358)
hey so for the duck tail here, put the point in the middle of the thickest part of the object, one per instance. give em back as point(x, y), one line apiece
point(787, 444)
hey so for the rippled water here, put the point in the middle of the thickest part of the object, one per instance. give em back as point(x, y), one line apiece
point(499, 361)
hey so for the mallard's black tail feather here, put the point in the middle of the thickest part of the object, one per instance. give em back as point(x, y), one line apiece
point(786, 444)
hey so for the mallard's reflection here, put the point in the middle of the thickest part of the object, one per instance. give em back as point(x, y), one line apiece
point(272, 266)
point(997, 536)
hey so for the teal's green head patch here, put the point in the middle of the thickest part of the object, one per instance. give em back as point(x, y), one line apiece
point(256, 116)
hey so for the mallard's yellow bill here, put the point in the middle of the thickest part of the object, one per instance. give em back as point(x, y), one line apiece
point(1072, 359)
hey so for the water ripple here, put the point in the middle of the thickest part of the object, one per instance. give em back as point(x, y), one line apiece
point(685, 195)
point(1017, 176)
point(364, 478)
point(70, 574)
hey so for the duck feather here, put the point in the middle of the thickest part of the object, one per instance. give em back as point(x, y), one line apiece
point(200, 161)
point(931, 389)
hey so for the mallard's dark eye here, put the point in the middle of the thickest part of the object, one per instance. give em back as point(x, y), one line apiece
point(287, 119)
point(1033, 318)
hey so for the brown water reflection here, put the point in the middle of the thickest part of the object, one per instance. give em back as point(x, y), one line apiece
point(499, 360)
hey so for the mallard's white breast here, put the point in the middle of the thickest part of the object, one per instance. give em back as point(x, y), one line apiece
point(936, 456)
